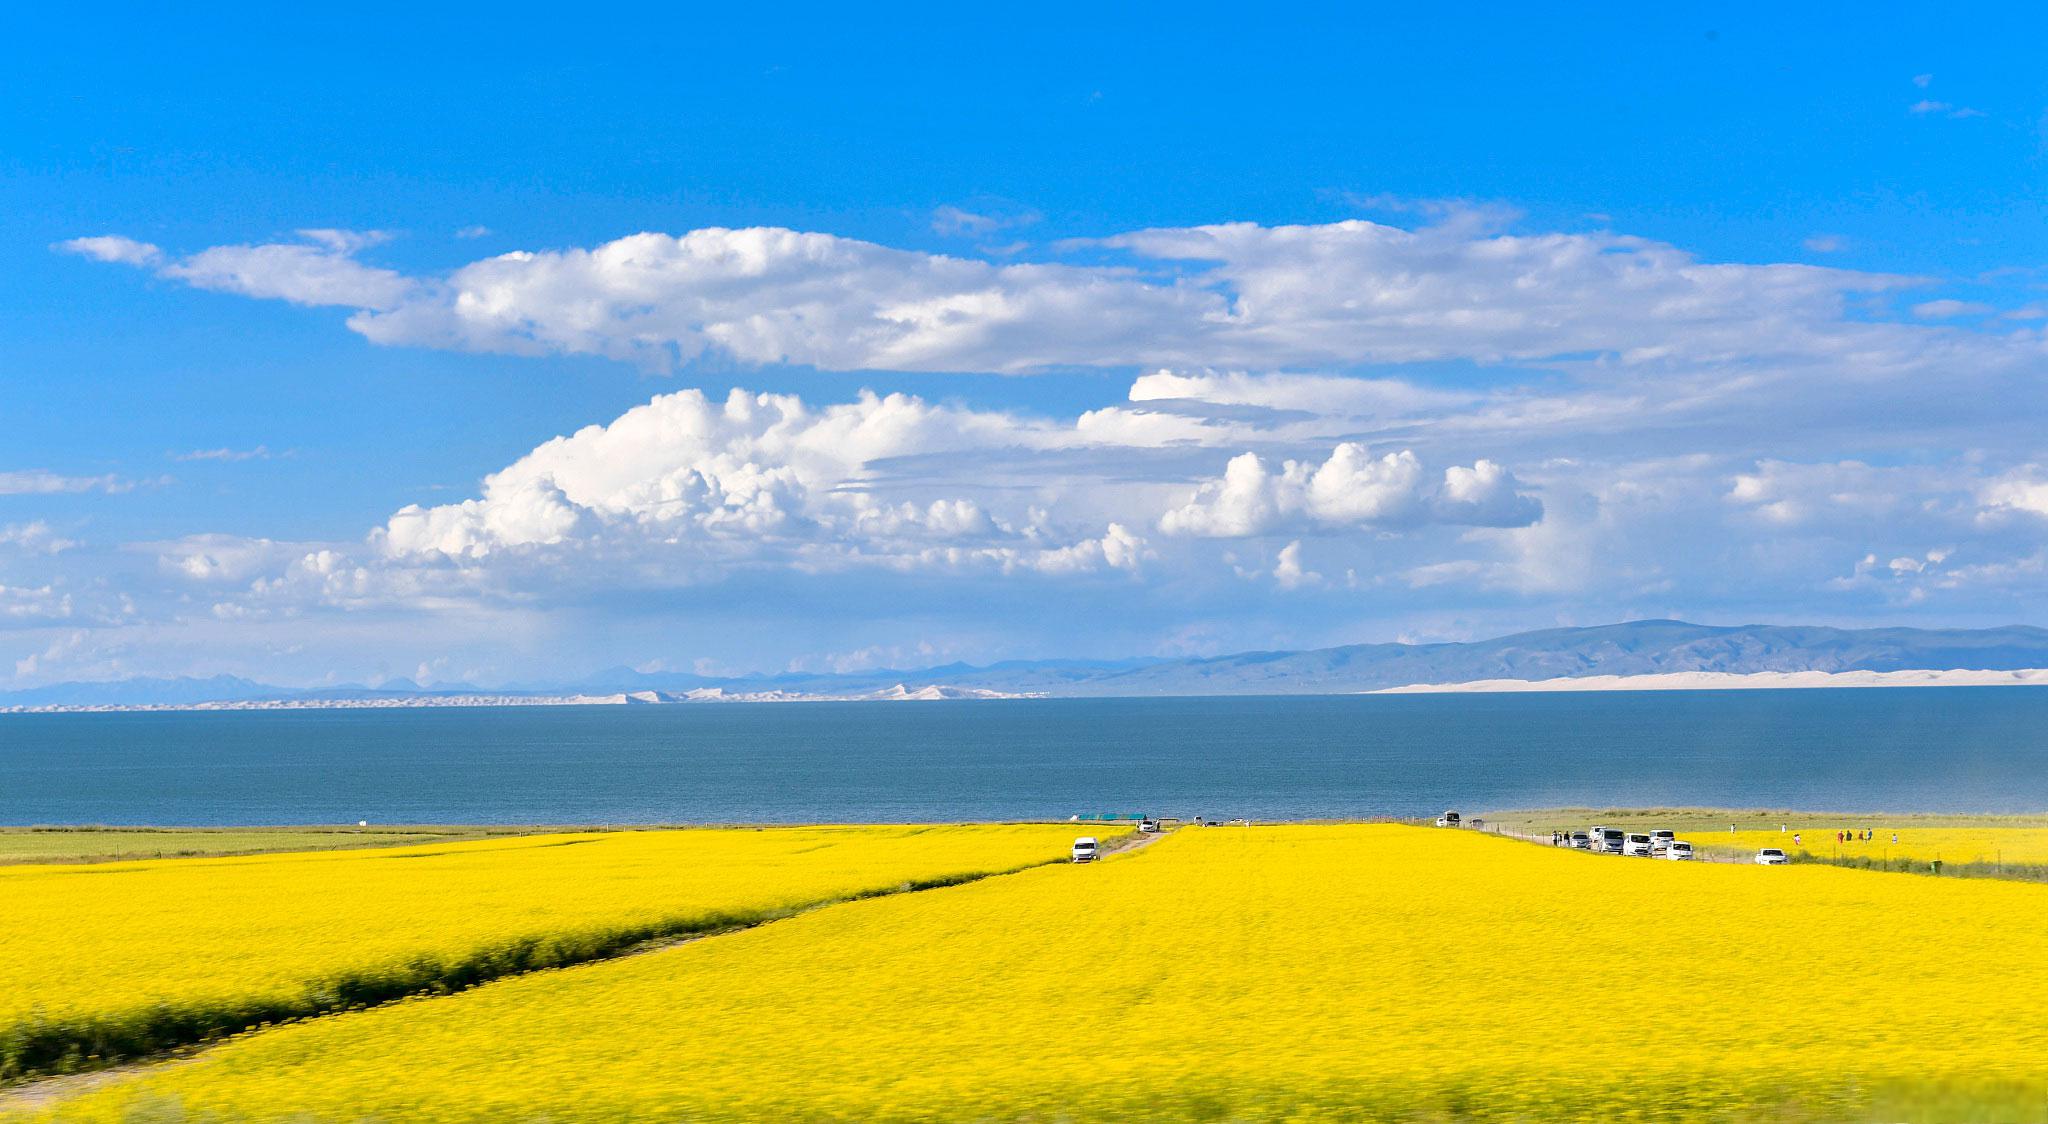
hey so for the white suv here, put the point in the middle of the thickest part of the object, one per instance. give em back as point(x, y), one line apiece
point(1771, 856)
point(1678, 850)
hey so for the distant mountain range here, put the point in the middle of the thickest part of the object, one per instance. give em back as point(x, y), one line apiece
point(1634, 648)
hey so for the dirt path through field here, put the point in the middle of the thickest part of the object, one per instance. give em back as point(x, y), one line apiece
point(1135, 841)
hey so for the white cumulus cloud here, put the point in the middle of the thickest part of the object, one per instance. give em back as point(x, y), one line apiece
point(1352, 488)
point(758, 477)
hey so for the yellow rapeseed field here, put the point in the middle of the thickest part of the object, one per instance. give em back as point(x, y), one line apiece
point(1283, 973)
point(113, 959)
point(2016, 845)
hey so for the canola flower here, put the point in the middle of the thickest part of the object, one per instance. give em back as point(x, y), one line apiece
point(1283, 973)
point(119, 959)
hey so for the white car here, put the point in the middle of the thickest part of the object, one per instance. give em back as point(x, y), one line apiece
point(1771, 856)
point(1678, 850)
point(1148, 826)
point(1637, 846)
point(1086, 850)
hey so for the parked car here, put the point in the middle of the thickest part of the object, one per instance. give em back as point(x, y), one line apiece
point(1678, 850)
point(1086, 850)
point(1148, 826)
point(1662, 836)
point(1581, 841)
point(1609, 840)
point(1448, 819)
point(1637, 845)
point(1771, 856)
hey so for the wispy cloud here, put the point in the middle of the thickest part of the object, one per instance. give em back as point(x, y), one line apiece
point(320, 269)
point(42, 482)
point(35, 538)
point(958, 222)
point(1928, 107)
point(1946, 309)
point(1826, 243)
point(259, 453)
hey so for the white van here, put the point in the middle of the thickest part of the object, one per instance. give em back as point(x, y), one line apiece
point(1086, 850)
point(1678, 850)
point(1608, 840)
point(1637, 845)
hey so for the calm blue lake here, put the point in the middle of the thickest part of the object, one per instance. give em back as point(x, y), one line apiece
point(1945, 749)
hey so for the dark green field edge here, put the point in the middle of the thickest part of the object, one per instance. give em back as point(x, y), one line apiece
point(2010, 872)
point(46, 1047)
point(1948, 1099)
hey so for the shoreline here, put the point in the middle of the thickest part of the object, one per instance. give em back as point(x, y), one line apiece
point(706, 695)
point(1666, 681)
point(1734, 681)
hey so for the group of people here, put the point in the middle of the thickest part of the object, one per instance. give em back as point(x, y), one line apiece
point(1864, 836)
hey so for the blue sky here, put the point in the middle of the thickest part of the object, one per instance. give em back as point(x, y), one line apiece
point(1355, 325)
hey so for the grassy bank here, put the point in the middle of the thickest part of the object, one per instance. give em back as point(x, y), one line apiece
point(105, 844)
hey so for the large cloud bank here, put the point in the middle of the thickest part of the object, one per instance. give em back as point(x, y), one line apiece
point(1329, 431)
point(1229, 295)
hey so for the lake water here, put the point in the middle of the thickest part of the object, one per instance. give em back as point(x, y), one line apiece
point(1944, 749)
